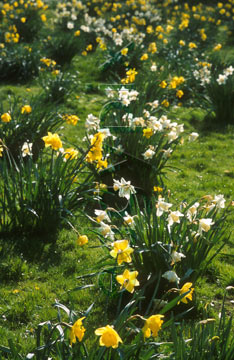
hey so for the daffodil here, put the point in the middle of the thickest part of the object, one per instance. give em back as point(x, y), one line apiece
point(52, 140)
point(109, 337)
point(82, 240)
point(6, 117)
point(152, 325)
point(128, 280)
point(122, 251)
point(185, 288)
point(26, 109)
point(77, 331)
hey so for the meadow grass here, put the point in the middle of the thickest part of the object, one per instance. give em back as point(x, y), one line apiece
point(33, 280)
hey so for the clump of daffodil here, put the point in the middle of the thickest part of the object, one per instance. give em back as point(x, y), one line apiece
point(109, 337)
point(77, 331)
point(122, 251)
point(71, 119)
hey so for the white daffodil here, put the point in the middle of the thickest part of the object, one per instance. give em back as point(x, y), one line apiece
point(174, 217)
point(124, 187)
point(128, 220)
point(171, 276)
point(222, 79)
point(101, 215)
point(193, 136)
point(176, 256)
point(204, 225)
point(192, 211)
point(106, 231)
point(219, 201)
point(26, 149)
point(148, 154)
point(162, 206)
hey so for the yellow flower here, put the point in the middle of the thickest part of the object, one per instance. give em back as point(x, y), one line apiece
point(148, 132)
point(185, 288)
point(128, 280)
point(52, 140)
point(165, 103)
point(23, 20)
point(77, 331)
point(6, 117)
point(26, 109)
point(16, 291)
point(89, 47)
point(152, 325)
point(181, 42)
point(43, 18)
point(109, 337)
point(95, 153)
point(158, 189)
point(82, 240)
point(122, 251)
point(144, 57)
point(192, 45)
point(163, 84)
point(124, 51)
point(77, 33)
point(71, 119)
point(70, 154)
point(102, 164)
point(217, 47)
point(131, 74)
point(1, 150)
point(179, 93)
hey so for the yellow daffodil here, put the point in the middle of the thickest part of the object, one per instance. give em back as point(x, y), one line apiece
point(122, 251)
point(128, 280)
point(82, 240)
point(6, 117)
point(52, 140)
point(152, 325)
point(77, 331)
point(148, 132)
point(185, 288)
point(70, 154)
point(109, 337)
point(26, 109)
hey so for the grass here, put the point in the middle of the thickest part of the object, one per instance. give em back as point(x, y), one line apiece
point(31, 282)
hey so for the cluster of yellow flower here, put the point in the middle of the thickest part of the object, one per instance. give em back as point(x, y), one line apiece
point(95, 152)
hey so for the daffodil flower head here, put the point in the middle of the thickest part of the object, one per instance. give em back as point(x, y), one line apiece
point(122, 251)
point(128, 280)
point(152, 325)
point(77, 331)
point(109, 337)
point(185, 288)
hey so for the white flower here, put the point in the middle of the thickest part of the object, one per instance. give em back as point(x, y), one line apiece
point(125, 188)
point(70, 25)
point(172, 135)
point(176, 257)
point(92, 122)
point(106, 231)
point(229, 71)
point(222, 79)
point(167, 153)
point(193, 136)
point(153, 67)
point(192, 211)
point(26, 149)
point(204, 225)
point(173, 217)
point(219, 201)
point(148, 154)
point(101, 215)
point(110, 93)
point(171, 276)
point(128, 220)
point(162, 207)
point(106, 132)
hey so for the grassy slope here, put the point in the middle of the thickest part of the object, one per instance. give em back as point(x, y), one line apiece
point(204, 167)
